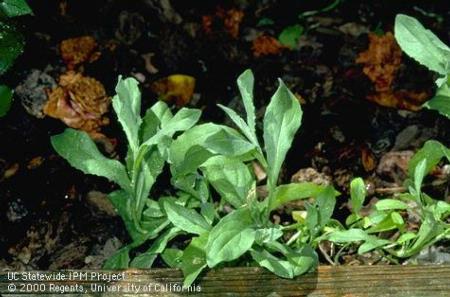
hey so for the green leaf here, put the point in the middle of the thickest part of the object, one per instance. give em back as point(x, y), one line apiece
point(301, 259)
point(127, 105)
point(371, 244)
point(246, 82)
point(162, 112)
point(433, 151)
point(172, 257)
point(281, 121)
point(194, 158)
point(193, 260)
point(120, 260)
point(345, 236)
point(185, 219)
point(183, 120)
point(390, 204)
point(146, 259)
point(6, 97)
point(421, 44)
point(441, 101)
point(296, 191)
point(208, 211)
point(195, 136)
point(357, 194)
point(14, 8)
point(325, 202)
point(229, 143)
point(265, 235)
point(11, 46)
point(290, 35)
point(82, 153)
point(275, 265)
point(419, 175)
point(230, 238)
point(149, 126)
point(153, 209)
point(389, 222)
point(231, 178)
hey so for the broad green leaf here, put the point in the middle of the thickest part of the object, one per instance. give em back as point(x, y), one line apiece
point(121, 200)
point(241, 124)
point(120, 260)
point(231, 178)
point(345, 236)
point(192, 137)
point(146, 259)
point(193, 260)
point(14, 8)
point(6, 97)
point(290, 35)
point(82, 153)
point(421, 44)
point(302, 259)
point(127, 105)
point(194, 158)
point(172, 257)
point(325, 202)
point(439, 103)
point(281, 121)
point(389, 222)
point(427, 234)
point(185, 219)
point(406, 237)
point(208, 211)
point(433, 151)
point(162, 112)
point(149, 126)
point(357, 194)
point(153, 209)
point(11, 46)
point(390, 204)
point(183, 120)
point(282, 268)
point(265, 235)
point(246, 82)
point(230, 238)
point(371, 244)
point(441, 100)
point(295, 191)
point(229, 143)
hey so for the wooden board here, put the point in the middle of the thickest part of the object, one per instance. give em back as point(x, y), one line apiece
point(348, 281)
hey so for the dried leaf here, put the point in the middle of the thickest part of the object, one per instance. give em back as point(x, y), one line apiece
point(266, 45)
point(178, 88)
point(75, 51)
point(231, 20)
point(80, 102)
point(368, 159)
point(381, 62)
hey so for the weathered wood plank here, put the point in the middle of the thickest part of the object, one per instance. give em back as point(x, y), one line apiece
point(328, 281)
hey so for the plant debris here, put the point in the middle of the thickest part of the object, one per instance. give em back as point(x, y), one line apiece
point(80, 102)
point(178, 88)
point(76, 51)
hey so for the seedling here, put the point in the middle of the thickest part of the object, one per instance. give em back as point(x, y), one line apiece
point(201, 158)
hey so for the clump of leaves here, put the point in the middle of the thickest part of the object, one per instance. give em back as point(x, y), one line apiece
point(214, 198)
point(11, 44)
point(11, 40)
point(427, 49)
point(400, 226)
